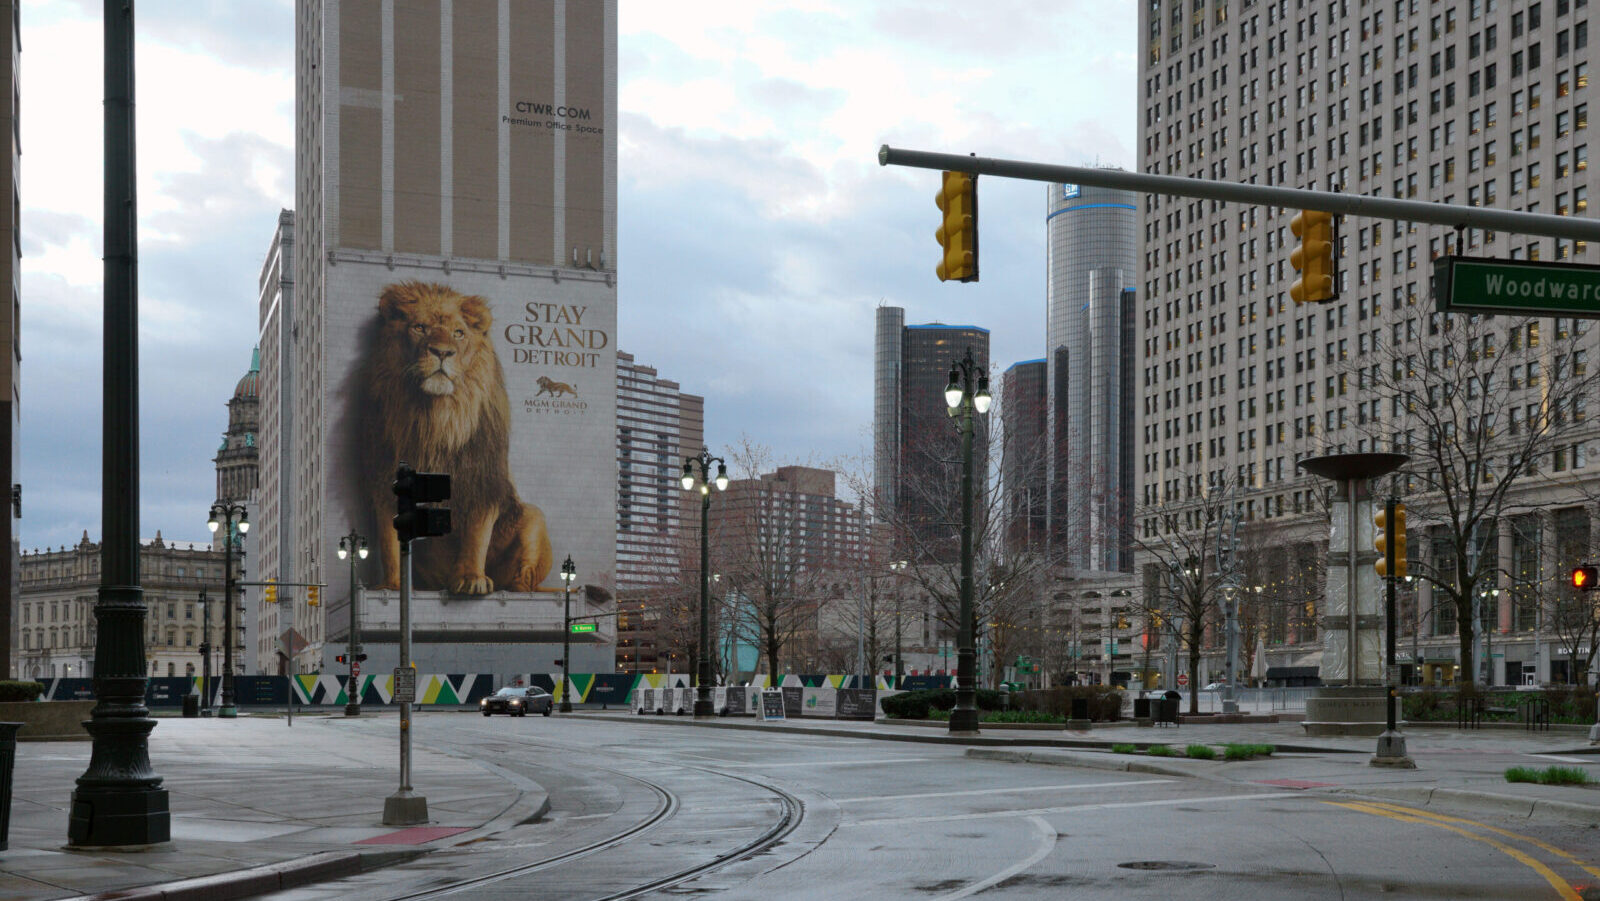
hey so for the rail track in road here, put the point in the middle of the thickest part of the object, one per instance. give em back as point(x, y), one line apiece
point(790, 813)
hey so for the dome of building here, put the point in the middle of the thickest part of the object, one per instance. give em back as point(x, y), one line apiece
point(250, 385)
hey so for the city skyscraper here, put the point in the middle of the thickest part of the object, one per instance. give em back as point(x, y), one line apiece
point(1472, 105)
point(913, 439)
point(455, 204)
point(658, 425)
point(1091, 264)
point(1024, 415)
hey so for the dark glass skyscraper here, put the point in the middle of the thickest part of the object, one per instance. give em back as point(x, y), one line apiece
point(917, 466)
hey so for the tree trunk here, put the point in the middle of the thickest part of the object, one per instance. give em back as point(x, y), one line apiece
point(1469, 669)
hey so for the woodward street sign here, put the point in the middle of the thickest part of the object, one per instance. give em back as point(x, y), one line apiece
point(1470, 285)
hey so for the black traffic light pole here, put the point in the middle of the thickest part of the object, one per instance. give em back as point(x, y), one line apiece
point(1391, 571)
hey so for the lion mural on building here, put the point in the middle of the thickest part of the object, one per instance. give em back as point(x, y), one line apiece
point(431, 392)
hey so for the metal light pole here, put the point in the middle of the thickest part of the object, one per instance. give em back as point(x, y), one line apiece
point(702, 697)
point(967, 391)
point(351, 547)
point(898, 567)
point(569, 571)
point(119, 799)
point(228, 517)
point(205, 654)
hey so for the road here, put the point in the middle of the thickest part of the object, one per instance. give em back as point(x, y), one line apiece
point(647, 810)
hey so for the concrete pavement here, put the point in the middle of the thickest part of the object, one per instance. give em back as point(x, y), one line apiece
point(258, 805)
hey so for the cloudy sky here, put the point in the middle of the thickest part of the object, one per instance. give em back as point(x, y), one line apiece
point(757, 231)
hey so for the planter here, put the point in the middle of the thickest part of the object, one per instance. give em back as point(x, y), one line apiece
point(48, 720)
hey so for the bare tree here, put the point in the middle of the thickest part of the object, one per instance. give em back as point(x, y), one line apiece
point(1182, 536)
point(1484, 405)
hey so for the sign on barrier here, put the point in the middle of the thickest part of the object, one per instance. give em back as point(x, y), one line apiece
point(857, 704)
point(819, 702)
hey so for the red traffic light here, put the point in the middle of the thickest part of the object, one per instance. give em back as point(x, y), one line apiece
point(1586, 578)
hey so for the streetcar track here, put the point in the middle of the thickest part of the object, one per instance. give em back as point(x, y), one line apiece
point(791, 814)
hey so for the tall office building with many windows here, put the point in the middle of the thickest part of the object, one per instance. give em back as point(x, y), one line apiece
point(1464, 102)
point(658, 425)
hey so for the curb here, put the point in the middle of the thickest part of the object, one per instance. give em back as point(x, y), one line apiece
point(1483, 802)
point(263, 879)
point(1017, 741)
point(1082, 760)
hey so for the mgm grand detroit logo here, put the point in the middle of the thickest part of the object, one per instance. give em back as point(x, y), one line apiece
point(557, 398)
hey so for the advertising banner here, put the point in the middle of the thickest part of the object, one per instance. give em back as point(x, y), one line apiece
point(772, 705)
point(857, 704)
point(819, 701)
point(793, 700)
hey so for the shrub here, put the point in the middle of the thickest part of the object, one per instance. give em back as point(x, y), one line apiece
point(1105, 701)
point(1236, 751)
point(20, 691)
point(1019, 716)
point(913, 705)
point(1555, 775)
point(916, 705)
point(1159, 751)
point(1200, 752)
point(1122, 749)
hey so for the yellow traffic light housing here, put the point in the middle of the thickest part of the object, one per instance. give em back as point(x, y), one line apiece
point(313, 595)
point(1313, 258)
point(1390, 540)
point(272, 591)
point(1586, 578)
point(958, 232)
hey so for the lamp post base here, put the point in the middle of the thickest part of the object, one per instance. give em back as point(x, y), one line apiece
point(704, 709)
point(964, 722)
point(352, 710)
point(405, 808)
point(227, 711)
point(566, 706)
point(1392, 752)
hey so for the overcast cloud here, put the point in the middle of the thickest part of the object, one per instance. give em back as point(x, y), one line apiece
point(757, 231)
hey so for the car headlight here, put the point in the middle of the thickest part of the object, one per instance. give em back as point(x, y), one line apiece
point(484, 703)
point(516, 703)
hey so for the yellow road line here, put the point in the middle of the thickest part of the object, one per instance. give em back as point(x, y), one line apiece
point(1560, 885)
point(1593, 871)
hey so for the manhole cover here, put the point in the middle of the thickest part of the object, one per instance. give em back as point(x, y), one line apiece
point(1165, 865)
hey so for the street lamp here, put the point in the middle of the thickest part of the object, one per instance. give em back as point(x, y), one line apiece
point(569, 571)
point(228, 517)
point(898, 566)
point(967, 392)
point(1114, 626)
point(205, 654)
point(702, 697)
point(358, 545)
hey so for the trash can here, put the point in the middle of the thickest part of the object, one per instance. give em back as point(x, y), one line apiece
point(191, 705)
point(1169, 711)
point(1141, 708)
point(8, 757)
point(1080, 708)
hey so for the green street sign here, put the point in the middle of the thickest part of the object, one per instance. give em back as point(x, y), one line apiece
point(1472, 285)
point(583, 627)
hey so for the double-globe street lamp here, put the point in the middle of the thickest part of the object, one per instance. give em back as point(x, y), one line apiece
point(966, 394)
point(352, 547)
point(897, 567)
point(569, 571)
point(234, 521)
point(702, 697)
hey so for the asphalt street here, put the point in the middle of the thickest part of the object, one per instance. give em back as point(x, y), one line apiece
point(933, 821)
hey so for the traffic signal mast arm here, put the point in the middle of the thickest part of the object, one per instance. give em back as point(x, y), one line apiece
point(1361, 205)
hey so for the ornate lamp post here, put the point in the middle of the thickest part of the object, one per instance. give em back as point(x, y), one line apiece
point(234, 520)
point(966, 394)
point(702, 696)
point(569, 571)
point(898, 567)
point(352, 547)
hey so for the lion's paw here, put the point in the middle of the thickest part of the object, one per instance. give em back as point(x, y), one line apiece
point(526, 578)
point(473, 583)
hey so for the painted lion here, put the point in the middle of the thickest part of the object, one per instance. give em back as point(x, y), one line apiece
point(434, 396)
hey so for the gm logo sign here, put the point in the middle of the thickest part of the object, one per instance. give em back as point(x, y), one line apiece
point(1069, 191)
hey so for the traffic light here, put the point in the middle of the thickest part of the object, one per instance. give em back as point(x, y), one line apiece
point(272, 591)
point(958, 231)
point(1313, 258)
point(340, 658)
point(412, 491)
point(1586, 578)
point(1390, 540)
point(313, 596)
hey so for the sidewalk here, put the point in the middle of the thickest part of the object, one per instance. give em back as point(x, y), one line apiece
point(256, 805)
